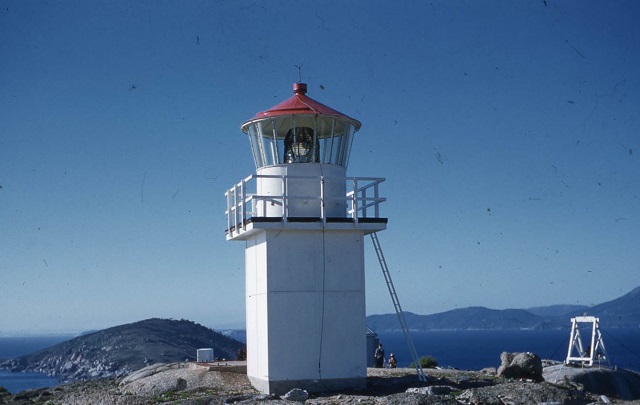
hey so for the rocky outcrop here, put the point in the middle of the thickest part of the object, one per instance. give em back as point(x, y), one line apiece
point(521, 365)
point(623, 384)
point(118, 351)
point(82, 362)
point(157, 379)
point(172, 383)
point(524, 392)
point(385, 386)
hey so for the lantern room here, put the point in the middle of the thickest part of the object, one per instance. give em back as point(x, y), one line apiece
point(300, 130)
point(301, 150)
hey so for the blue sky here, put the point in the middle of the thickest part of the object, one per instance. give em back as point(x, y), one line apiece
point(508, 132)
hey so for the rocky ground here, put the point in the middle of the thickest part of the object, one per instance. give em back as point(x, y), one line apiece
point(177, 384)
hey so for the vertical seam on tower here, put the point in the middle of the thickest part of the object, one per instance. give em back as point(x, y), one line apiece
point(324, 272)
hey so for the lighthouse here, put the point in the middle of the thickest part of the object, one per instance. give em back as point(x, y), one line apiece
point(304, 221)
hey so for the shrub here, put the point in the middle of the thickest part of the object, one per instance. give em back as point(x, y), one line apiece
point(426, 362)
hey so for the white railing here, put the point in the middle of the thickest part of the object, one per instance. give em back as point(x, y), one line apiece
point(362, 199)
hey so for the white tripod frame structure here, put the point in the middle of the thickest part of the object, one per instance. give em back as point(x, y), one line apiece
point(595, 350)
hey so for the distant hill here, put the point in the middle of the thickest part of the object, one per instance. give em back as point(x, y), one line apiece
point(122, 349)
point(238, 334)
point(557, 310)
point(463, 318)
point(623, 312)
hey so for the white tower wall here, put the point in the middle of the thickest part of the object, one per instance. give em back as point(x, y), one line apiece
point(303, 189)
point(304, 224)
point(305, 309)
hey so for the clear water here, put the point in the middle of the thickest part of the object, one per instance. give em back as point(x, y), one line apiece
point(477, 349)
point(16, 382)
point(17, 346)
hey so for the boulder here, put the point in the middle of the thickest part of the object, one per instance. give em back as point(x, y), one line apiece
point(432, 390)
point(521, 365)
point(296, 395)
point(619, 383)
point(146, 372)
point(489, 370)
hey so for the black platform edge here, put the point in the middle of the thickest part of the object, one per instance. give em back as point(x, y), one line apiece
point(263, 219)
point(304, 219)
point(343, 220)
point(310, 219)
point(373, 220)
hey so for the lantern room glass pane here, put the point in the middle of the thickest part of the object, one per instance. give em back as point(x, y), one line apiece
point(255, 146)
point(300, 139)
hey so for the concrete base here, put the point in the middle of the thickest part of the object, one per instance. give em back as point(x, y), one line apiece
point(284, 386)
point(229, 366)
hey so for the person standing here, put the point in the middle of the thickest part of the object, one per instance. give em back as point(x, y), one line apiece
point(393, 363)
point(379, 356)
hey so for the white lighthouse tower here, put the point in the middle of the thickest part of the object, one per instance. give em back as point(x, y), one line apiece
point(304, 221)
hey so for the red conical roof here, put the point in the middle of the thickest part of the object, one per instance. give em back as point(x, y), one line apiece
point(300, 104)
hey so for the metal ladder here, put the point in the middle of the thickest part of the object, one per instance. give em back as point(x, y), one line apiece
point(396, 305)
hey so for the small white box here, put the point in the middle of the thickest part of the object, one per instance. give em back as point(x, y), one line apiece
point(205, 355)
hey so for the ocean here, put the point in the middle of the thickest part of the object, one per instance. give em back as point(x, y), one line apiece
point(477, 349)
point(464, 350)
point(17, 346)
